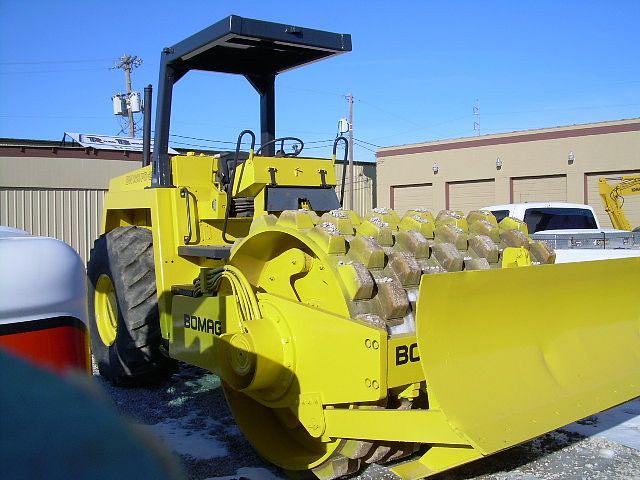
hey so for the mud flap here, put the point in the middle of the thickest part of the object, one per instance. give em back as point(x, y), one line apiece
point(510, 354)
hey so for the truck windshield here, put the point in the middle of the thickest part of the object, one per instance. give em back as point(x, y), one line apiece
point(539, 219)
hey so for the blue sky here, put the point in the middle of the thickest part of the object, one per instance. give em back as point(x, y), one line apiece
point(416, 68)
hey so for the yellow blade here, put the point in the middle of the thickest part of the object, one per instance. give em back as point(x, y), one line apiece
point(510, 354)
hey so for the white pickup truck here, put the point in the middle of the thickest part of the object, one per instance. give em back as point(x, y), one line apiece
point(572, 229)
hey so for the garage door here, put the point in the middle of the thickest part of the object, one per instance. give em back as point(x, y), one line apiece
point(631, 203)
point(539, 189)
point(472, 195)
point(406, 197)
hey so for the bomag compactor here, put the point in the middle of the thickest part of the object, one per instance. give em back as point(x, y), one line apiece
point(425, 341)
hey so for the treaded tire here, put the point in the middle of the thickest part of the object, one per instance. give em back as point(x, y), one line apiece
point(125, 255)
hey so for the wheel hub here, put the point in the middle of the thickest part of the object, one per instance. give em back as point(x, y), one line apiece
point(241, 357)
point(106, 310)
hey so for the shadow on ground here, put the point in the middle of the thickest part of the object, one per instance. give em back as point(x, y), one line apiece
point(190, 415)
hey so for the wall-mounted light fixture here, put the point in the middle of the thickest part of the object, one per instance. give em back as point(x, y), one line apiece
point(435, 168)
point(498, 163)
point(571, 158)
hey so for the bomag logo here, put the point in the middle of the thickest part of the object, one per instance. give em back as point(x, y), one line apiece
point(407, 353)
point(202, 324)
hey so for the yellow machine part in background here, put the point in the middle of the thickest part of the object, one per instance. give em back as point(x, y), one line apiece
point(613, 198)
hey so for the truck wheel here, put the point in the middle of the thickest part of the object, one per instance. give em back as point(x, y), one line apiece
point(123, 309)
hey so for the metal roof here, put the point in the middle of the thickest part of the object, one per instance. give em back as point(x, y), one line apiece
point(109, 142)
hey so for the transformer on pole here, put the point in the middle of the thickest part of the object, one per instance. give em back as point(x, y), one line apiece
point(126, 104)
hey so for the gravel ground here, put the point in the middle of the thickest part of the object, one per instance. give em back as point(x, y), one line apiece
point(189, 414)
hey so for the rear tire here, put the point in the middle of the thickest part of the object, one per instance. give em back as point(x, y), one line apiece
point(128, 350)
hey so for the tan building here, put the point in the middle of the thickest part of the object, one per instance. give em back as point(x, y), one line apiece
point(58, 191)
point(552, 164)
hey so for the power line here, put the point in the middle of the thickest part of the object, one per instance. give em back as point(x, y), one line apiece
point(45, 62)
point(325, 143)
point(316, 147)
point(201, 139)
point(419, 127)
point(228, 143)
point(11, 115)
point(393, 114)
point(189, 144)
point(321, 92)
point(563, 109)
point(366, 148)
point(425, 127)
point(329, 140)
point(29, 72)
point(368, 143)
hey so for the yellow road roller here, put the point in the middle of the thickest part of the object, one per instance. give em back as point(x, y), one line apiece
point(424, 341)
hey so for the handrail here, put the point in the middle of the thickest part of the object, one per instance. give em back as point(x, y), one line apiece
point(184, 193)
point(232, 178)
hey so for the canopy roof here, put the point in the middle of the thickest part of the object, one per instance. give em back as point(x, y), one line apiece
point(254, 47)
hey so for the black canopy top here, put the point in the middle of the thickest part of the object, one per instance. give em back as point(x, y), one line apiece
point(251, 47)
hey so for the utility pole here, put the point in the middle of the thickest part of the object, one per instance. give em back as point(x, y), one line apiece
point(350, 100)
point(128, 63)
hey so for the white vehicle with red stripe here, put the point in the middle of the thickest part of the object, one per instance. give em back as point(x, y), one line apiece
point(43, 312)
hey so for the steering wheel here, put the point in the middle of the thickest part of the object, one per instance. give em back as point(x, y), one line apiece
point(281, 152)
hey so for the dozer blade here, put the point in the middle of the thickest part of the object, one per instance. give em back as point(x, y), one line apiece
point(510, 354)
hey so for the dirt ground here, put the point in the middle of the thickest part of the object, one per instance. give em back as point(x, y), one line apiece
point(190, 416)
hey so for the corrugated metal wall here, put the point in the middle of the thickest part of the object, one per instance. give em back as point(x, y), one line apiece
point(58, 192)
point(363, 187)
point(71, 215)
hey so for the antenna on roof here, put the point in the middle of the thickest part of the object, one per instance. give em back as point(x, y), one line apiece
point(476, 114)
